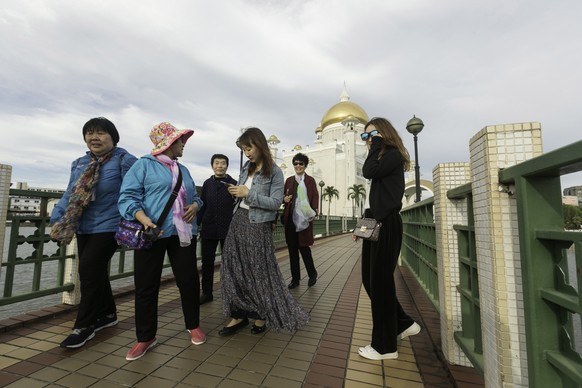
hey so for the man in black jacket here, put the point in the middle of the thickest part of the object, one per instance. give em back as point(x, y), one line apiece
point(214, 219)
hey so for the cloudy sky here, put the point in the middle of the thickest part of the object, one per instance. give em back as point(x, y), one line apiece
point(217, 66)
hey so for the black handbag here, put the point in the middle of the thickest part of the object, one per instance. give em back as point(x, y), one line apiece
point(133, 235)
point(368, 229)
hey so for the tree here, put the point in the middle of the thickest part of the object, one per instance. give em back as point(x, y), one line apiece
point(357, 192)
point(329, 192)
point(572, 217)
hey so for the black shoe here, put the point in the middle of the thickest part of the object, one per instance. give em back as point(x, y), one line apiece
point(312, 281)
point(230, 330)
point(293, 284)
point(205, 298)
point(78, 338)
point(258, 329)
point(106, 321)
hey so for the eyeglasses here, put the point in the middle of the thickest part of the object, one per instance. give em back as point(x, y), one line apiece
point(298, 164)
point(366, 135)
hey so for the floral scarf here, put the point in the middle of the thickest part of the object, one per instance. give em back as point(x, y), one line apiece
point(64, 229)
point(184, 229)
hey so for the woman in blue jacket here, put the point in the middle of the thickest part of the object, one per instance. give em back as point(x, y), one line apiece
point(144, 194)
point(88, 208)
point(251, 281)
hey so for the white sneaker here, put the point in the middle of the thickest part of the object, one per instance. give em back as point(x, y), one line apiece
point(371, 354)
point(413, 329)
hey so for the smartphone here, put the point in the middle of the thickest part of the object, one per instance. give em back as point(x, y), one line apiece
point(226, 183)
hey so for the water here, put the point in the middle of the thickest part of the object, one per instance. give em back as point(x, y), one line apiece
point(23, 276)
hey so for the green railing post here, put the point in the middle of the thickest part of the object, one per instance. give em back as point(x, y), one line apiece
point(549, 298)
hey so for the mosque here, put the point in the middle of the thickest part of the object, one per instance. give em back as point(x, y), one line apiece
point(337, 157)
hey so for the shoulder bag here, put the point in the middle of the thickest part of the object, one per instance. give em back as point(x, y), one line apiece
point(368, 229)
point(133, 235)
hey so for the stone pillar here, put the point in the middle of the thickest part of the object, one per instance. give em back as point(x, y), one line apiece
point(5, 176)
point(72, 275)
point(447, 213)
point(497, 243)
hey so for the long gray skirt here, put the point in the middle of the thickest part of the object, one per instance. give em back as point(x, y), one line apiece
point(251, 280)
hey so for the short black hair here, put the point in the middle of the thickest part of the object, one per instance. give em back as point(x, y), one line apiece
point(302, 158)
point(105, 125)
point(218, 156)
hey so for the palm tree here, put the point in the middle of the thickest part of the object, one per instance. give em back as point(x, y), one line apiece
point(329, 192)
point(357, 192)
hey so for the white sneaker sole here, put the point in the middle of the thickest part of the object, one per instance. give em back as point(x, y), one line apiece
point(371, 354)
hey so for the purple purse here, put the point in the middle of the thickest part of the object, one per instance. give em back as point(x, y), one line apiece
point(131, 234)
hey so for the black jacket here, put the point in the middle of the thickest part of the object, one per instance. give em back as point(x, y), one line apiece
point(215, 216)
point(387, 175)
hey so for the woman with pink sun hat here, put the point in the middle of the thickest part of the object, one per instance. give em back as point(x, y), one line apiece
point(145, 191)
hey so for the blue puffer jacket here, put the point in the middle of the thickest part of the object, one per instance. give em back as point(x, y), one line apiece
point(147, 186)
point(101, 215)
point(265, 195)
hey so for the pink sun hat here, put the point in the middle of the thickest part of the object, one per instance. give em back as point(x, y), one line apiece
point(165, 134)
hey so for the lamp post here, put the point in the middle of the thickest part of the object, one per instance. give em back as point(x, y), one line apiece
point(321, 184)
point(414, 126)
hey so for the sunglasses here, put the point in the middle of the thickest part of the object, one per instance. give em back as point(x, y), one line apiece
point(366, 135)
point(298, 164)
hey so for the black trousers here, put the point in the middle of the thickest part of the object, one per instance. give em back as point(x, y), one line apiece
point(147, 275)
point(95, 252)
point(292, 238)
point(208, 248)
point(379, 260)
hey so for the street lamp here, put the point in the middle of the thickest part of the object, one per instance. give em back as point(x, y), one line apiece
point(414, 126)
point(321, 184)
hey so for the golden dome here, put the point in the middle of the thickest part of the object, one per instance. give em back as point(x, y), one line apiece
point(340, 111)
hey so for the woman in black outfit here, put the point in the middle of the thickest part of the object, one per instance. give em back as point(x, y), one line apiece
point(385, 165)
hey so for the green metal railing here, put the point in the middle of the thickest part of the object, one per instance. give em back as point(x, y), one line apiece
point(419, 247)
point(26, 276)
point(470, 338)
point(549, 298)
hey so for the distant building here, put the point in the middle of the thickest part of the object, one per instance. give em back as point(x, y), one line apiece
point(30, 204)
point(574, 191)
point(570, 200)
point(337, 157)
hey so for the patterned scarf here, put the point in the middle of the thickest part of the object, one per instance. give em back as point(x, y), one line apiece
point(184, 229)
point(64, 229)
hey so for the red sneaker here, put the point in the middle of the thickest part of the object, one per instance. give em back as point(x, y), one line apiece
point(197, 336)
point(140, 349)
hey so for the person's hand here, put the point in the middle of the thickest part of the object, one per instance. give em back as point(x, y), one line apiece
point(190, 212)
point(354, 237)
point(238, 191)
point(287, 198)
point(146, 221)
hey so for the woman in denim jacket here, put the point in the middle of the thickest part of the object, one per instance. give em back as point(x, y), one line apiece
point(251, 281)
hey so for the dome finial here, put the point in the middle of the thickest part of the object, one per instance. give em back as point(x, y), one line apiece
point(344, 96)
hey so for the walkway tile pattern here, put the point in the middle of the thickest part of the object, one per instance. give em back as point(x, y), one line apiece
point(323, 354)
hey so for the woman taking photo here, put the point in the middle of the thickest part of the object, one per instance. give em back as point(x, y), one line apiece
point(385, 165)
point(89, 209)
point(144, 194)
point(251, 281)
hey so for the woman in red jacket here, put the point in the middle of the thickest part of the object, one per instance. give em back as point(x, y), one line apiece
point(299, 234)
